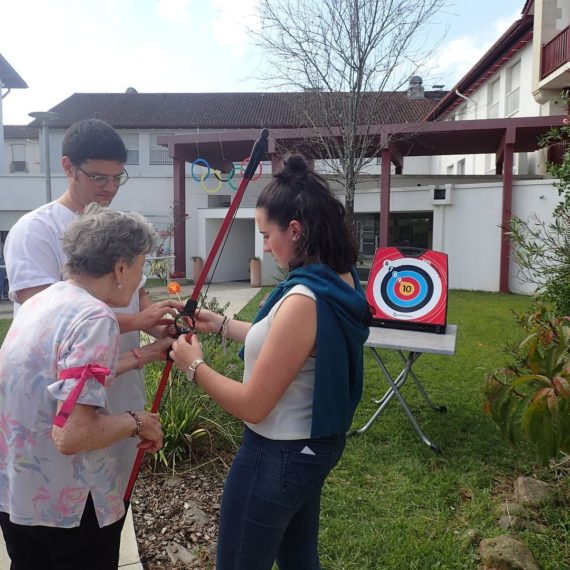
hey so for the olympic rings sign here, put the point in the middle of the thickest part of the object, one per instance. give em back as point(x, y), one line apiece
point(219, 175)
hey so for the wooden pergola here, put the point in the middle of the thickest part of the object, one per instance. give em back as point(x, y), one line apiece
point(502, 137)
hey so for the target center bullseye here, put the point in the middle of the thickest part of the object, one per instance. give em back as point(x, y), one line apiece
point(406, 288)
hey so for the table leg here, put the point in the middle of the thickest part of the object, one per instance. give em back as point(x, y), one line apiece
point(394, 390)
point(422, 389)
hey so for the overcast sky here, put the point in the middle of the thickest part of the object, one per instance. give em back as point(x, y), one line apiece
point(61, 47)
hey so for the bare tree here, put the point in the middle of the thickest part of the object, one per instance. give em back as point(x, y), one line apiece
point(344, 55)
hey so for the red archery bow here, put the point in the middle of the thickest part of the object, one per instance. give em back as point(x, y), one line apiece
point(258, 152)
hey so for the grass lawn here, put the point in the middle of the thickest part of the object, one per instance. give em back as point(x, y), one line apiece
point(392, 503)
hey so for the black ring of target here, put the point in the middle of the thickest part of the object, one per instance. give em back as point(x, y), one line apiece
point(421, 304)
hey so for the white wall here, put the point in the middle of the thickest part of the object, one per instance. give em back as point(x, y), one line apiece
point(467, 229)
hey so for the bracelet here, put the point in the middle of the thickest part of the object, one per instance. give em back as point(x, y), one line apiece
point(191, 372)
point(224, 332)
point(139, 357)
point(138, 421)
point(224, 320)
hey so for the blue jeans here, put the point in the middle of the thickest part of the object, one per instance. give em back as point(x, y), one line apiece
point(271, 503)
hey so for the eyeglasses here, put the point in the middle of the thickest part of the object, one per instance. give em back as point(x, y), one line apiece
point(101, 180)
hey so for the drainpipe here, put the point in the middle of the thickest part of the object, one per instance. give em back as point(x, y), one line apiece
point(468, 99)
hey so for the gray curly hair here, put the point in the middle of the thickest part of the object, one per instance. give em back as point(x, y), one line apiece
point(101, 237)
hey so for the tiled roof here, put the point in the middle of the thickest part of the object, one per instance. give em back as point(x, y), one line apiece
point(21, 132)
point(228, 110)
point(10, 77)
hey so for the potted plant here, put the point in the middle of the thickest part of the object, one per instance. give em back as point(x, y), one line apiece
point(530, 398)
point(255, 271)
point(197, 266)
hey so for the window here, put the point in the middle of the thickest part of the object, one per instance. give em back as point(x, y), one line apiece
point(513, 89)
point(461, 166)
point(493, 99)
point(18, 162)
point(131, 141)
point(159, 153)
point(449, 169)
point(412, 229)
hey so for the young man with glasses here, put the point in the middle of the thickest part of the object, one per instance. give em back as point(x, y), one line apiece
point(94, 157)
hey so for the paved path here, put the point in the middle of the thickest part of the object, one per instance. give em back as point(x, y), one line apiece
point(238, 294)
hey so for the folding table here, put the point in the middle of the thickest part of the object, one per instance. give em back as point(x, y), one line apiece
point(410, 345)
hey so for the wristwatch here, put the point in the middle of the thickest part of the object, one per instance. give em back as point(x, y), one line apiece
point(192, 369)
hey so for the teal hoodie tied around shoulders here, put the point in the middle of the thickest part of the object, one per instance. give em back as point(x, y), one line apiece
point(342, 329)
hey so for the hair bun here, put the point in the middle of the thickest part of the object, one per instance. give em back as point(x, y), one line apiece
point(296, 163)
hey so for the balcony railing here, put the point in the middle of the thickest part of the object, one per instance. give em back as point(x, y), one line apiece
point(555, 53)
point(160, 156)
point(18, 166)
point(132, 156)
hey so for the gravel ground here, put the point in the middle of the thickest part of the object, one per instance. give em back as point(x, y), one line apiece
point(176, 517)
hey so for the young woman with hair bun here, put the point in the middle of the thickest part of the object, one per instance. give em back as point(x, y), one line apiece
point(302, 380)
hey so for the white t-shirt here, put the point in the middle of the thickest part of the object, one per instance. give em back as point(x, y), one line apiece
point(33, 250)
point(34, 256)
point(292, 417)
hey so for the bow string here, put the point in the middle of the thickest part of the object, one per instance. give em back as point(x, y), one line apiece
point(258, 152)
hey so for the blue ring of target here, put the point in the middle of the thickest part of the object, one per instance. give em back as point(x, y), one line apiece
point(419, 301)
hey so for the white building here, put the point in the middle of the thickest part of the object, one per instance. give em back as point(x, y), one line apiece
point(519, 76)
point(448, 202)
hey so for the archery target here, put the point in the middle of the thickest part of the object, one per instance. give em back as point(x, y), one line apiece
point(408, 289)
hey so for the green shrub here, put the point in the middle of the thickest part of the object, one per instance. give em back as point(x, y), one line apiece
point(530, 397)
point(192, 423)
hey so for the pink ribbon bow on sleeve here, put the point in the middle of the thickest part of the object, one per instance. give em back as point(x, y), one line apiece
point(83, 373)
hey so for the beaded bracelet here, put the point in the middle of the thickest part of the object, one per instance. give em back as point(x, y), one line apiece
point(138, 421)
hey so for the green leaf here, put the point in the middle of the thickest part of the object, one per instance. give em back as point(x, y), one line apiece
point(543, 380)
point(542, 426)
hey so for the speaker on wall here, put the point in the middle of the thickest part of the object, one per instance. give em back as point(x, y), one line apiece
point(441, 195)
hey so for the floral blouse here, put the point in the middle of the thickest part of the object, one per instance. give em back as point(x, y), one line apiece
point(61, 327)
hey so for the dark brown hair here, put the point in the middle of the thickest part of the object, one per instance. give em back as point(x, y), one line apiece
point(92, 139)
point(299, 193)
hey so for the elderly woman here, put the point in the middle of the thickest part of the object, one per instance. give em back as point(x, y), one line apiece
point(60, 493)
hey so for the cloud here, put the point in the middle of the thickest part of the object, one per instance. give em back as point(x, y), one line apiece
point(231, 22)
point(457, 56)
point(501, 25)
point(175, 11)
